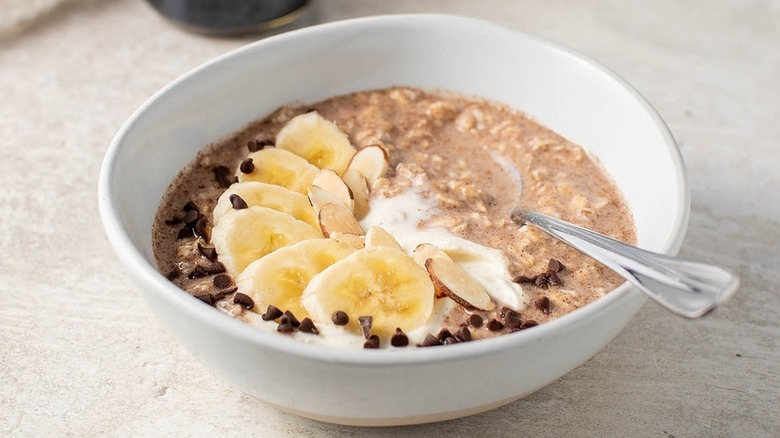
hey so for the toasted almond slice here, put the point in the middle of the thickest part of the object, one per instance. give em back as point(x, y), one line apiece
point(450, 279)
point(358, 186)
point(353, 240)
point(425, 251)
point(331, 182)
point(335, 218)
point(378, 236)
point(319, 197)
point(371, 162)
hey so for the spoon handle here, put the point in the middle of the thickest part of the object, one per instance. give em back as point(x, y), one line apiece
point(690, 289)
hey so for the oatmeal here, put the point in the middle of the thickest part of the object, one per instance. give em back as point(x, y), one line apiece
point(456, 169)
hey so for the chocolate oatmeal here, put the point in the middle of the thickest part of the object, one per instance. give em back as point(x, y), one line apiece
point(470, 162)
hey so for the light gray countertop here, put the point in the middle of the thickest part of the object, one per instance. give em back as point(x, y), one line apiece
point(81, 354)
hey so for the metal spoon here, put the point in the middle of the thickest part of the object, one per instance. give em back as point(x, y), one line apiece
point(690, 289)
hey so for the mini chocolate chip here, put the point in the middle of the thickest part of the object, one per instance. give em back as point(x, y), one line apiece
point(365, 324)
point(214, 268)
point(223, 177)
point(221, 281)
point(191, 206)
point(197, 272)
point(371, 342)
point(293, 320)
point(495, 325)
point(238, 202)
point(475, 320)
point(173, 221)
point(184, 233)
point(307, 326)
point(174, 273)
point(512, 319)
point(284, 325)
point(430, 341)
point(225, 292)
point(554, 279)
point(544, 304)
point(443, 334)
point(244, 301)
point(200, 227)
point(190, 217)
point(207, 251)
point(555, 266)
point(256, 145)
point(206, 298)
point(220, 170)
point(451, 340)
point(463, 334)
point(522, 279)
point(513, 323)
point(339, 318)
point(247, 166)
point(542, 280)
point(528, 324)
point(399, 339)
point(272, 312)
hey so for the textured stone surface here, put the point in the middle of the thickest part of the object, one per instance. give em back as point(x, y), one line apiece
point(81, 354)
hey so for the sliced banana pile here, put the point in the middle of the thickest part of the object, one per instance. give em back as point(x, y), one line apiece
point(288, 231)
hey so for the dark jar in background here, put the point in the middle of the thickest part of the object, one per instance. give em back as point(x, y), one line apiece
point(230, 17)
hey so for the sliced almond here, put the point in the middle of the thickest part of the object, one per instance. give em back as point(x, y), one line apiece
point(332, 183)
point(425, 251)
point(371, 162)
point(450, 279)
point(319, 197)
point(354, 240)
point(358, 186)
point(378, 236)
point(336, 218)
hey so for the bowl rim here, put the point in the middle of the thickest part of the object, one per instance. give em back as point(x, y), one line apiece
point(147, 276)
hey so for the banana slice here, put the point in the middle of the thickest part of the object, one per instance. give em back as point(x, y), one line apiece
point(317, 140)
point(246, 235)
point(281, 167)
point(380, 282)
point(267, 195)
point(280, 277)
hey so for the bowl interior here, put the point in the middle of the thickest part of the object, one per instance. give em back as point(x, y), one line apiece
point(563, 91)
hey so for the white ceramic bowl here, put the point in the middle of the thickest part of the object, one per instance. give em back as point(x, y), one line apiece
point(561, 89)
